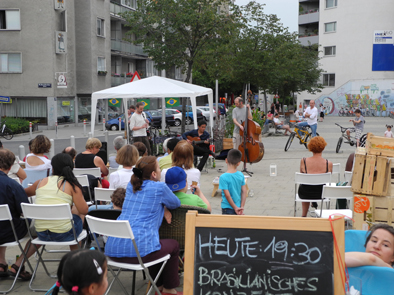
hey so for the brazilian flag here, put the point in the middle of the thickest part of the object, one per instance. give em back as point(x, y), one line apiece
point(172, 102)
point(114, 102)
point(146, 103)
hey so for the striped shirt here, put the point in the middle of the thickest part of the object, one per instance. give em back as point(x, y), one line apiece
point(144, 210)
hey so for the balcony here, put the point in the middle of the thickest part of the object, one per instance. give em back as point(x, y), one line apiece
point(308, 17)
point(127, 47)
point(116, 9)
point(304, 40)
point(116, 81)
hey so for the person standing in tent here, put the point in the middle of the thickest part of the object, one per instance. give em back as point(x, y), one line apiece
point(139, 124)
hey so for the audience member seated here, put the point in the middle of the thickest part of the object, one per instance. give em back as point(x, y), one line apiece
point(118, 143)
point(127, 156)
point(12, 194)
point(142, 150)
point(62, 187)
point(117, 198)
point(71, 152)
point(313, 165)
point(176, 181)
point(182, 157)
point(280, 125)
point(166, 162)
point(29, 146)
point(144, 206)
point(16, 170)
point(165, 150)
point(379, 248)
point(36, 160)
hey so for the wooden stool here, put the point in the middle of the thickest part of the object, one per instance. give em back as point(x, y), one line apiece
point(216, 186)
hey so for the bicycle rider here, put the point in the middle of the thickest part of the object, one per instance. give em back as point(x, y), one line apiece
point(310, 114)
point(358, 126)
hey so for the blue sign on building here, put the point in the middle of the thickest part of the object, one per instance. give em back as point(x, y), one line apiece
point(5, 99)
point(383, 51)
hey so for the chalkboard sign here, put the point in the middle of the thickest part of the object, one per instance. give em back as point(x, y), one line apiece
point(262, 255)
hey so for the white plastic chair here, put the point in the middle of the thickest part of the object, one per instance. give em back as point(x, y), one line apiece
point(336, 169)
point(5, 215)
point(310, 179)
point(49, 212)
point(348, 177)
point(124, 231)
point(334, 193)
point(92, 171)
point(103, 194)
point(84, 182)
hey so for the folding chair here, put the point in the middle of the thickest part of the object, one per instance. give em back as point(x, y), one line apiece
point(49, 212)
point(103, 194)
point(84, 182)
point(310, 179)
point(112, 170)
point(336, 169)
point(124, 231)
point(335, 193)
point(348, 177)
point(92, 171)
point(33, 176)
point(5, 214)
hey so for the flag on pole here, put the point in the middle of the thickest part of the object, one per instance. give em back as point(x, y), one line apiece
point(114, 102)
point(146, 103)
point(172, 102)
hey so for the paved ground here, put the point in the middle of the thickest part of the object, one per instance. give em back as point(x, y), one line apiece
point(272, 196)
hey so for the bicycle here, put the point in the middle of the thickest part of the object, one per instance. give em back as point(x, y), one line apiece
point(351, 139)
point(5, 131)
point(306, 135)
point(157, 138)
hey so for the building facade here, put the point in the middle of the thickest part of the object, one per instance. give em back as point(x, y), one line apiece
point(55, 53)
point(356, 47)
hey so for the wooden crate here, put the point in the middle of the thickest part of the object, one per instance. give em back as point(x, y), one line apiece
point(371, 175)
point(380, 210)
point(227, 143)
point(380, 146)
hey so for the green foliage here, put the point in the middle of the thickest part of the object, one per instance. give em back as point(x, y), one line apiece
point(17, 125)
point(229, 123)
point(257, 118)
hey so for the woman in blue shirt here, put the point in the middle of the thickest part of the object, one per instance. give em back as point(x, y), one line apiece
point(146, 199)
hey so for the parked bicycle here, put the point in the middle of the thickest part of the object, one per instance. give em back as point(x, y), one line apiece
point(157, 138)
point(5, 131)
point(351, 139)
point(306, 135)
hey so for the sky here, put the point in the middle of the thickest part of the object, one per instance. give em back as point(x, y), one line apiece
point(286, 10)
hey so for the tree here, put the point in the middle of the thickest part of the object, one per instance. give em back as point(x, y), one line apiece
point(174, 33)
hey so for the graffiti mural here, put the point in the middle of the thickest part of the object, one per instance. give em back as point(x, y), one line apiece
point(372, 97)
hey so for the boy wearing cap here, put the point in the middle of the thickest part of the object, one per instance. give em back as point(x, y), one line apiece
point(176, 181)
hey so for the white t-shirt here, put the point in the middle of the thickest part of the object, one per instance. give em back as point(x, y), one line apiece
point(120, 178)
point(277, 121)
point(312, 120)
point(137, 120)
point(192, 174)
point(14, 168)
point(46, 165)
point(388, 134)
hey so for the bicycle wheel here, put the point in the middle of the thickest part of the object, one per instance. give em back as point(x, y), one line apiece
point(289, 141)
point(8, 134)
point(308, 138)
point(339, 144)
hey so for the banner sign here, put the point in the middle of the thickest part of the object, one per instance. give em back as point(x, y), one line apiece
point(146, 103)
point(115, 102)
point(172, 102)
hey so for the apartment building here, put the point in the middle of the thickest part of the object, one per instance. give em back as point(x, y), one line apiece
point(356, 47)
point(55, 53)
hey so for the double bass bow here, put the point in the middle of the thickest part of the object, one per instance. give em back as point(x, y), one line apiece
point(251, 148)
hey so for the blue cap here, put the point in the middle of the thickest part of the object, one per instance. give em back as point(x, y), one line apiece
point(176, 178)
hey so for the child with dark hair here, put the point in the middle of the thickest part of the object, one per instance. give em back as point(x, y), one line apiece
point(117, 198)
point(82, 272)
point(358, 126)
point(388, 132)
point(232, 184)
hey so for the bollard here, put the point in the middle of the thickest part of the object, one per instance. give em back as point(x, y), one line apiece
point(84, 127)
point(104, 124)
point(72, 141)
point(90, 134)
point(120, 123)
point(52, 150)
point(31, 130)
point(22, 153)
point(106, 135)
point(56, 128)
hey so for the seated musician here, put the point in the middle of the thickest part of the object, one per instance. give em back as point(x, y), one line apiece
point(199, 138)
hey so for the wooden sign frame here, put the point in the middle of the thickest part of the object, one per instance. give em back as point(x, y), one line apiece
point(193, 220)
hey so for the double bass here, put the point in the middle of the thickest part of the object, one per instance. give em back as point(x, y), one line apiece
point(251, 148)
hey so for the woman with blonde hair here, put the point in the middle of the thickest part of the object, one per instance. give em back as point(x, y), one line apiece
point(183, 157)
point(313, 165)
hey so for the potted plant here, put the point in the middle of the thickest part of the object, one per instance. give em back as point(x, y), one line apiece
point(102, 73)
point(129, 74)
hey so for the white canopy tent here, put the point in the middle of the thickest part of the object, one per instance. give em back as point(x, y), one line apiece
point(154, 87)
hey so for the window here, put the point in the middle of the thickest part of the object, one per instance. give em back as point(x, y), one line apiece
point(328, 79)
point(130, 3)
point(330, 27)
point(10, 63)
point(63, 21)
point(10, 19)
point(101, 64)
point(330, 50)
point(100, 27)
point(331, 3)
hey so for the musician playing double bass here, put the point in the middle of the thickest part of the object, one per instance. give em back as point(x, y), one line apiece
point(239, 116)
point(199, 139)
